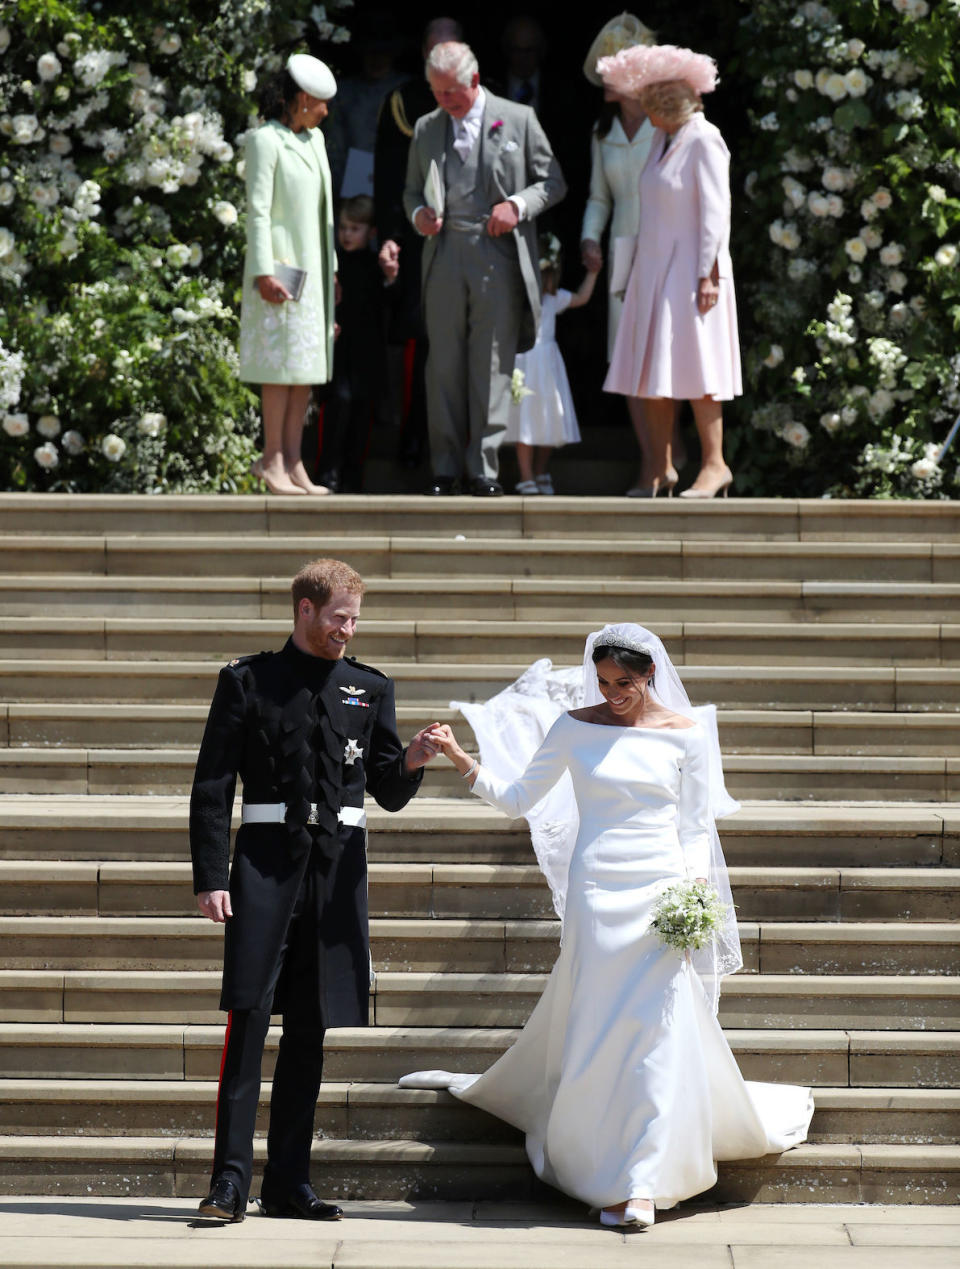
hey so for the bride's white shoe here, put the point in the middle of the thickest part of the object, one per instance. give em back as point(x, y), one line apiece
point(630, 1216)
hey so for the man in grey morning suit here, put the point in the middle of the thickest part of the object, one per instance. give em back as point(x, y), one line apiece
point(481, 275)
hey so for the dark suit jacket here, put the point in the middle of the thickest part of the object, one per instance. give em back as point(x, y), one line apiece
point(515, 158)
point(286, 723)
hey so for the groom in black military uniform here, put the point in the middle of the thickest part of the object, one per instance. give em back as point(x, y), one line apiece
point(307, 729)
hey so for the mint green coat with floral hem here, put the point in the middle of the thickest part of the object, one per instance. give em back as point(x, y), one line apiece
point(289, 219)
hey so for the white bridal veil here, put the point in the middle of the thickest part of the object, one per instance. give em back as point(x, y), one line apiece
point(511, 726)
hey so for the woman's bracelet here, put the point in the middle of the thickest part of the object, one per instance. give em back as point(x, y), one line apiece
point(470, 770)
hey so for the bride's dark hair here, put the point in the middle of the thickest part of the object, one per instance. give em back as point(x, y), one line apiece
point(623, 658)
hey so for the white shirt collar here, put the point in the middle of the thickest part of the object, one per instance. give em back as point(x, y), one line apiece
point(474, 116)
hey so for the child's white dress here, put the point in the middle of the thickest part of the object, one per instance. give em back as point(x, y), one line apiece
point(547, 416)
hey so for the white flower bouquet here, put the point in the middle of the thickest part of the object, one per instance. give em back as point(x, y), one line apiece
point(688, 915)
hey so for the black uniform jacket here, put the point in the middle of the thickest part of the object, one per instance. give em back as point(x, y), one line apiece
point(300, 730)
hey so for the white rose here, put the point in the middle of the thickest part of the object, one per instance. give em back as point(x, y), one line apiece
point(196, 255)
point(871, 236)
point(945, 256)
point(834, 179)
point(855, 49)
point(868, 209)
point(880, 403)
point(834, 87)
point(72, 442)
point(796, 434)
point(818, 204)
point(60, 144)
point(49, 66)
point(897, 280)
point(803, 78)
point(249, 80)
point(773, 357)
point(25, 129)
point(225, 212)
point(856, 249)
point(4, 38)
point(835, 205)
point(16, 424)
point(924, 469)
point(48, 425)
point(113, 447)
point(46, 455)
point(8, 243)
point(892, 254)
point(140, 74)
point(7, 193)
point(849, 414)
point(936, 193)
point(857, 81)
point(881, 197)
point(151, 424)
point(855, 273)
point(178, 254)
point(830, 422)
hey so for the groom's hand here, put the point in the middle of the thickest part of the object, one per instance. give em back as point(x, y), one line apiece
point(504, 218)
point(422, 749)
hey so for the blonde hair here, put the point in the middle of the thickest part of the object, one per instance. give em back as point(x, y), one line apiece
point(671, 99)
point(318, 580)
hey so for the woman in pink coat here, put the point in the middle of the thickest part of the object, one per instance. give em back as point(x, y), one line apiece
point(677, 338)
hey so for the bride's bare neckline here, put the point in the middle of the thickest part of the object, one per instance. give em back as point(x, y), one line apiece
point(685, 726)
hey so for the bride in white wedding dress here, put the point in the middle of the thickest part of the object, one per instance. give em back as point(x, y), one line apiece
point(621, 1079)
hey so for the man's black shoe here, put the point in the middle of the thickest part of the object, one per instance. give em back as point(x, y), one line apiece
point(441, 485)
point(480, 487)
point(223, 1202)
point(302, 1204)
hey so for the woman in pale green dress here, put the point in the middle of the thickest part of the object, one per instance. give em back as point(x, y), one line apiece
point(286, 345)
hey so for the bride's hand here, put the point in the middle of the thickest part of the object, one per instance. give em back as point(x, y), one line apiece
point(441, 735)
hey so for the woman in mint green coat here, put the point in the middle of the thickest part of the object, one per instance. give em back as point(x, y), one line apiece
point(286, 345)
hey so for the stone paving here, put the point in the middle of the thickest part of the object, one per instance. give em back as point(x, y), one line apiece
point(37, 1233)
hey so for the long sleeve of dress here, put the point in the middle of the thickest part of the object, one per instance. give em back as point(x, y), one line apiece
point(712, 167)
point(543, 771)
point(693, 810)
point(600, 200)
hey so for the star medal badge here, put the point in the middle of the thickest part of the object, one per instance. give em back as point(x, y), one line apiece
point(352, 696)
point(351, 753)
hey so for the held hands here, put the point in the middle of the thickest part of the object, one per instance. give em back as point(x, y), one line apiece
point(428, 222)
point(422, 749)
point(215, 904)
point(389, 260)
point(503, 219)
point(591, 255)
point(273, 292)
point(445, 742)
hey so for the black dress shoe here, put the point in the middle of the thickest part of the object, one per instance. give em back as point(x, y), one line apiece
point(302, 1204)
point(480, 487)
point(441, 485)
point(223, 1202)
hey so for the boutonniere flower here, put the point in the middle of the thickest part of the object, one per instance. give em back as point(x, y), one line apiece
point(495, 127)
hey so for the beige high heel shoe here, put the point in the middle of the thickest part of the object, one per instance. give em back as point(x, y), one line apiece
point(256, 469)
point(711, 488)
point(666, 482)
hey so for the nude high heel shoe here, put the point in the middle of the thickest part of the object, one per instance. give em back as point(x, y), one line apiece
point(666, 482)
point(710, 488)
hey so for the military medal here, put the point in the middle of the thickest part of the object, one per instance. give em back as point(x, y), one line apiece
point(351, 753)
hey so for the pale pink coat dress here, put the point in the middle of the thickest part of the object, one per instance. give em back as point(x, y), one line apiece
point(664, 347)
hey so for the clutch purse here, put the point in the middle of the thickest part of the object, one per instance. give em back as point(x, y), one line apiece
point(292, 278)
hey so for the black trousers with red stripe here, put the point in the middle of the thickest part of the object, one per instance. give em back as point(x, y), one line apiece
point(296, 1079)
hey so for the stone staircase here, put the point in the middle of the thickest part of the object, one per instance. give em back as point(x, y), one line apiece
point(827, 633)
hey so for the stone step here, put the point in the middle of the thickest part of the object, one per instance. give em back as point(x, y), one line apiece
point(382, 1112)
point(81, 772)
point(790, 519)
point(90, 1051)
point(617, 556)
point(447, 945)
point(489, 599)
point(886, 689)
point(474, 642)
point(515, 891)
point(441, 831)
point(820, 732)
point(145, 1166)
point(874, 1002)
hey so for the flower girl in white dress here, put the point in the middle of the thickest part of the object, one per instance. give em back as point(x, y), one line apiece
point(542, 414)
point(621, 1079)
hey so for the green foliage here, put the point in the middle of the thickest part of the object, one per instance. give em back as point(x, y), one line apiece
point(849, 259)
point(122, 237)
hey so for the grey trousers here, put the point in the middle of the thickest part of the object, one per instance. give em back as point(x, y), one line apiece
point(472, 306)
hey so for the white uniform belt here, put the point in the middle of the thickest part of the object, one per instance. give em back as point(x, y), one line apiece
point(276, 813)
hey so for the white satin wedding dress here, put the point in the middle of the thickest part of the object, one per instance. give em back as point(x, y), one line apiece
point(622, 1079)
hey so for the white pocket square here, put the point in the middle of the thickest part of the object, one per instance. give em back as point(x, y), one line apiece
point(509, 147)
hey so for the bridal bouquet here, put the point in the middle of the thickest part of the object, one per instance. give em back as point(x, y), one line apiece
point(688, 915)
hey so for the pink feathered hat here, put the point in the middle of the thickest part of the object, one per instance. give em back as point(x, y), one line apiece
point(633, 69)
